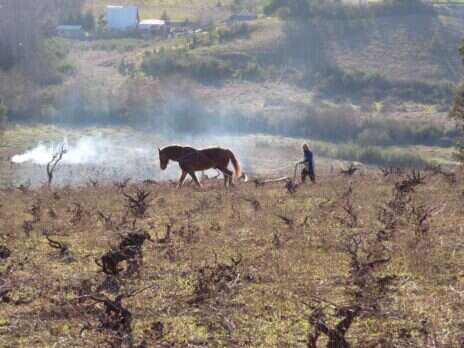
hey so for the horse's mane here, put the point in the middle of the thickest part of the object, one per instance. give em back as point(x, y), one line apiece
point(172, 145)
point(189, 147)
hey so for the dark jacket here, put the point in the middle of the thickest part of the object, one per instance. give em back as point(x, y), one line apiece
point(309, 161)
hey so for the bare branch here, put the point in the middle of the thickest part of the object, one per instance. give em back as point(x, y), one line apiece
point(51, 166)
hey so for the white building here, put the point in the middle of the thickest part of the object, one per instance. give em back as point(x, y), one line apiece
point(121, 17)
point(153, 27)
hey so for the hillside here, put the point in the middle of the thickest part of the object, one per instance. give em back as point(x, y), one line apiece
point(176, 9)
point(412, 47)
point(408, 48)
point(382, 81)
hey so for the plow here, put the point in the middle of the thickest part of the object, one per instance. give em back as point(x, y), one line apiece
point(291, 181)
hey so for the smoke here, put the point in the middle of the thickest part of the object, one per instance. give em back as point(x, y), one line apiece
point(95, 150)
point(109, 158)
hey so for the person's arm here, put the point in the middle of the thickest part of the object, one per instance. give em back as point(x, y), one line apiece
point(306, 159)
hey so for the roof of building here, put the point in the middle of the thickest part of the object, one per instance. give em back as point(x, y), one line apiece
point(69, 27)
point(152, 22)
point(121, 7)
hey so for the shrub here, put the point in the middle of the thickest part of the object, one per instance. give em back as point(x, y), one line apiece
point(251, 71)
point(234, 32)
point(360, 84)
point(374, 136)
point(201, 68)
point(401, 160)
point(296, 8)
point(345, 124)
point(66, 69)
point(370, 154)
point(376, 156)
point(335, 124)
point(348, 152)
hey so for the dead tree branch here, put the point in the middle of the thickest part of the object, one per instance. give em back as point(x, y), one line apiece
point(51, 166)
point(138, 204)
point(350, 170)
point(412, 180)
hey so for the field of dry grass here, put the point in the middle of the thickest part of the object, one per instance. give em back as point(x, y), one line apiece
point(253, 266)
point(176, 9)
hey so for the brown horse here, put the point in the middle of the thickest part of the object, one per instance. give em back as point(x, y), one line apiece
point(191, 160)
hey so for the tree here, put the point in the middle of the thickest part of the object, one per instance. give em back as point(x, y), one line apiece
point(297, 9)
point(51, 165)
point(165, 17)
point(101, 23)
point(88, 21)
point(21, 35)
point(457, 113)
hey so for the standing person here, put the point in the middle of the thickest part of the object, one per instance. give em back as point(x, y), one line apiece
point(308, 162)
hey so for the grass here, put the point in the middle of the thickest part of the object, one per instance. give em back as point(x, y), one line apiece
point(121, 45)
point(402, 156)
point(176, 9)
point(19, 136)
point(282, 270)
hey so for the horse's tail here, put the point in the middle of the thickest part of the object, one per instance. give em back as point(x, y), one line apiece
point(235, 163)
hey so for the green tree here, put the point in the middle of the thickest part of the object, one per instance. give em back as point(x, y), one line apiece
point(457, 112)
point(88, 21)
point(297, 9)
point(165, 17)
point(101, 23)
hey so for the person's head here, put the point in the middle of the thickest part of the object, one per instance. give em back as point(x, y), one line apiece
point(305, 147)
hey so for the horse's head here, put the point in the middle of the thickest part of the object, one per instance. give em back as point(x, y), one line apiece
point(164, 159)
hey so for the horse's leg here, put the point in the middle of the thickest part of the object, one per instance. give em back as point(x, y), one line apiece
point(231, 177)
point(224, 175)
point(227, 176)
point(194, 177)
point(182, 178)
